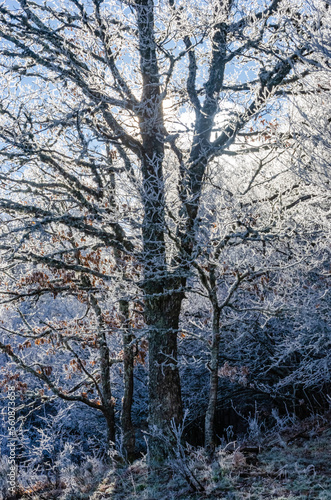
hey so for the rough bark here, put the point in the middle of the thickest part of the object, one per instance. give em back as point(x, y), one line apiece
point(161, 308)
point(164, 383)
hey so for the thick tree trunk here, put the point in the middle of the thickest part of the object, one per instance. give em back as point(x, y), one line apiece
point(162, 306)
point(212, 400)
point(165, 403)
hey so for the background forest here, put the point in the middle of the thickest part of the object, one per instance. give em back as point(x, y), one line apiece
point(165, 232)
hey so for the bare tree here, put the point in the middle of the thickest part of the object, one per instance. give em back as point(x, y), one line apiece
point(82, 75)
point(259, 243)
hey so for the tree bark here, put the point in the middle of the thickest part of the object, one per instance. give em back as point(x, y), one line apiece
point(165, 403)
point(126, 420)
point(213, 388)
point(104, 355)
point(162, 306)
point(105, 364)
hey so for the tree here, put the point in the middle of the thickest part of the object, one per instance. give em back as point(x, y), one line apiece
point(61, 308)
point(82, 76)
point(261, 243)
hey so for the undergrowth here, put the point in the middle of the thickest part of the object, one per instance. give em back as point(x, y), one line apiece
point(292, 462)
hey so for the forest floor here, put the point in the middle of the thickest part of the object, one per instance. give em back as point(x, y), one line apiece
point(293, 462)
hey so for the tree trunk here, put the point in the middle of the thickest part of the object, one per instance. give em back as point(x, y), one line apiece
point(104, 355)
point(105, 364)
point(126, 421)
point(109, 415)
point(165, 403)
point(128, 359)
point(162, 306)
point(107, 400)
point(212, 401)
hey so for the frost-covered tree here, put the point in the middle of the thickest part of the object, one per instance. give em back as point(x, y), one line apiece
point(73, 312)
point(263, 238)
point(83, 81)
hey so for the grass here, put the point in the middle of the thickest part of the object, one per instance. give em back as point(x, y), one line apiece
point(293, 463)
